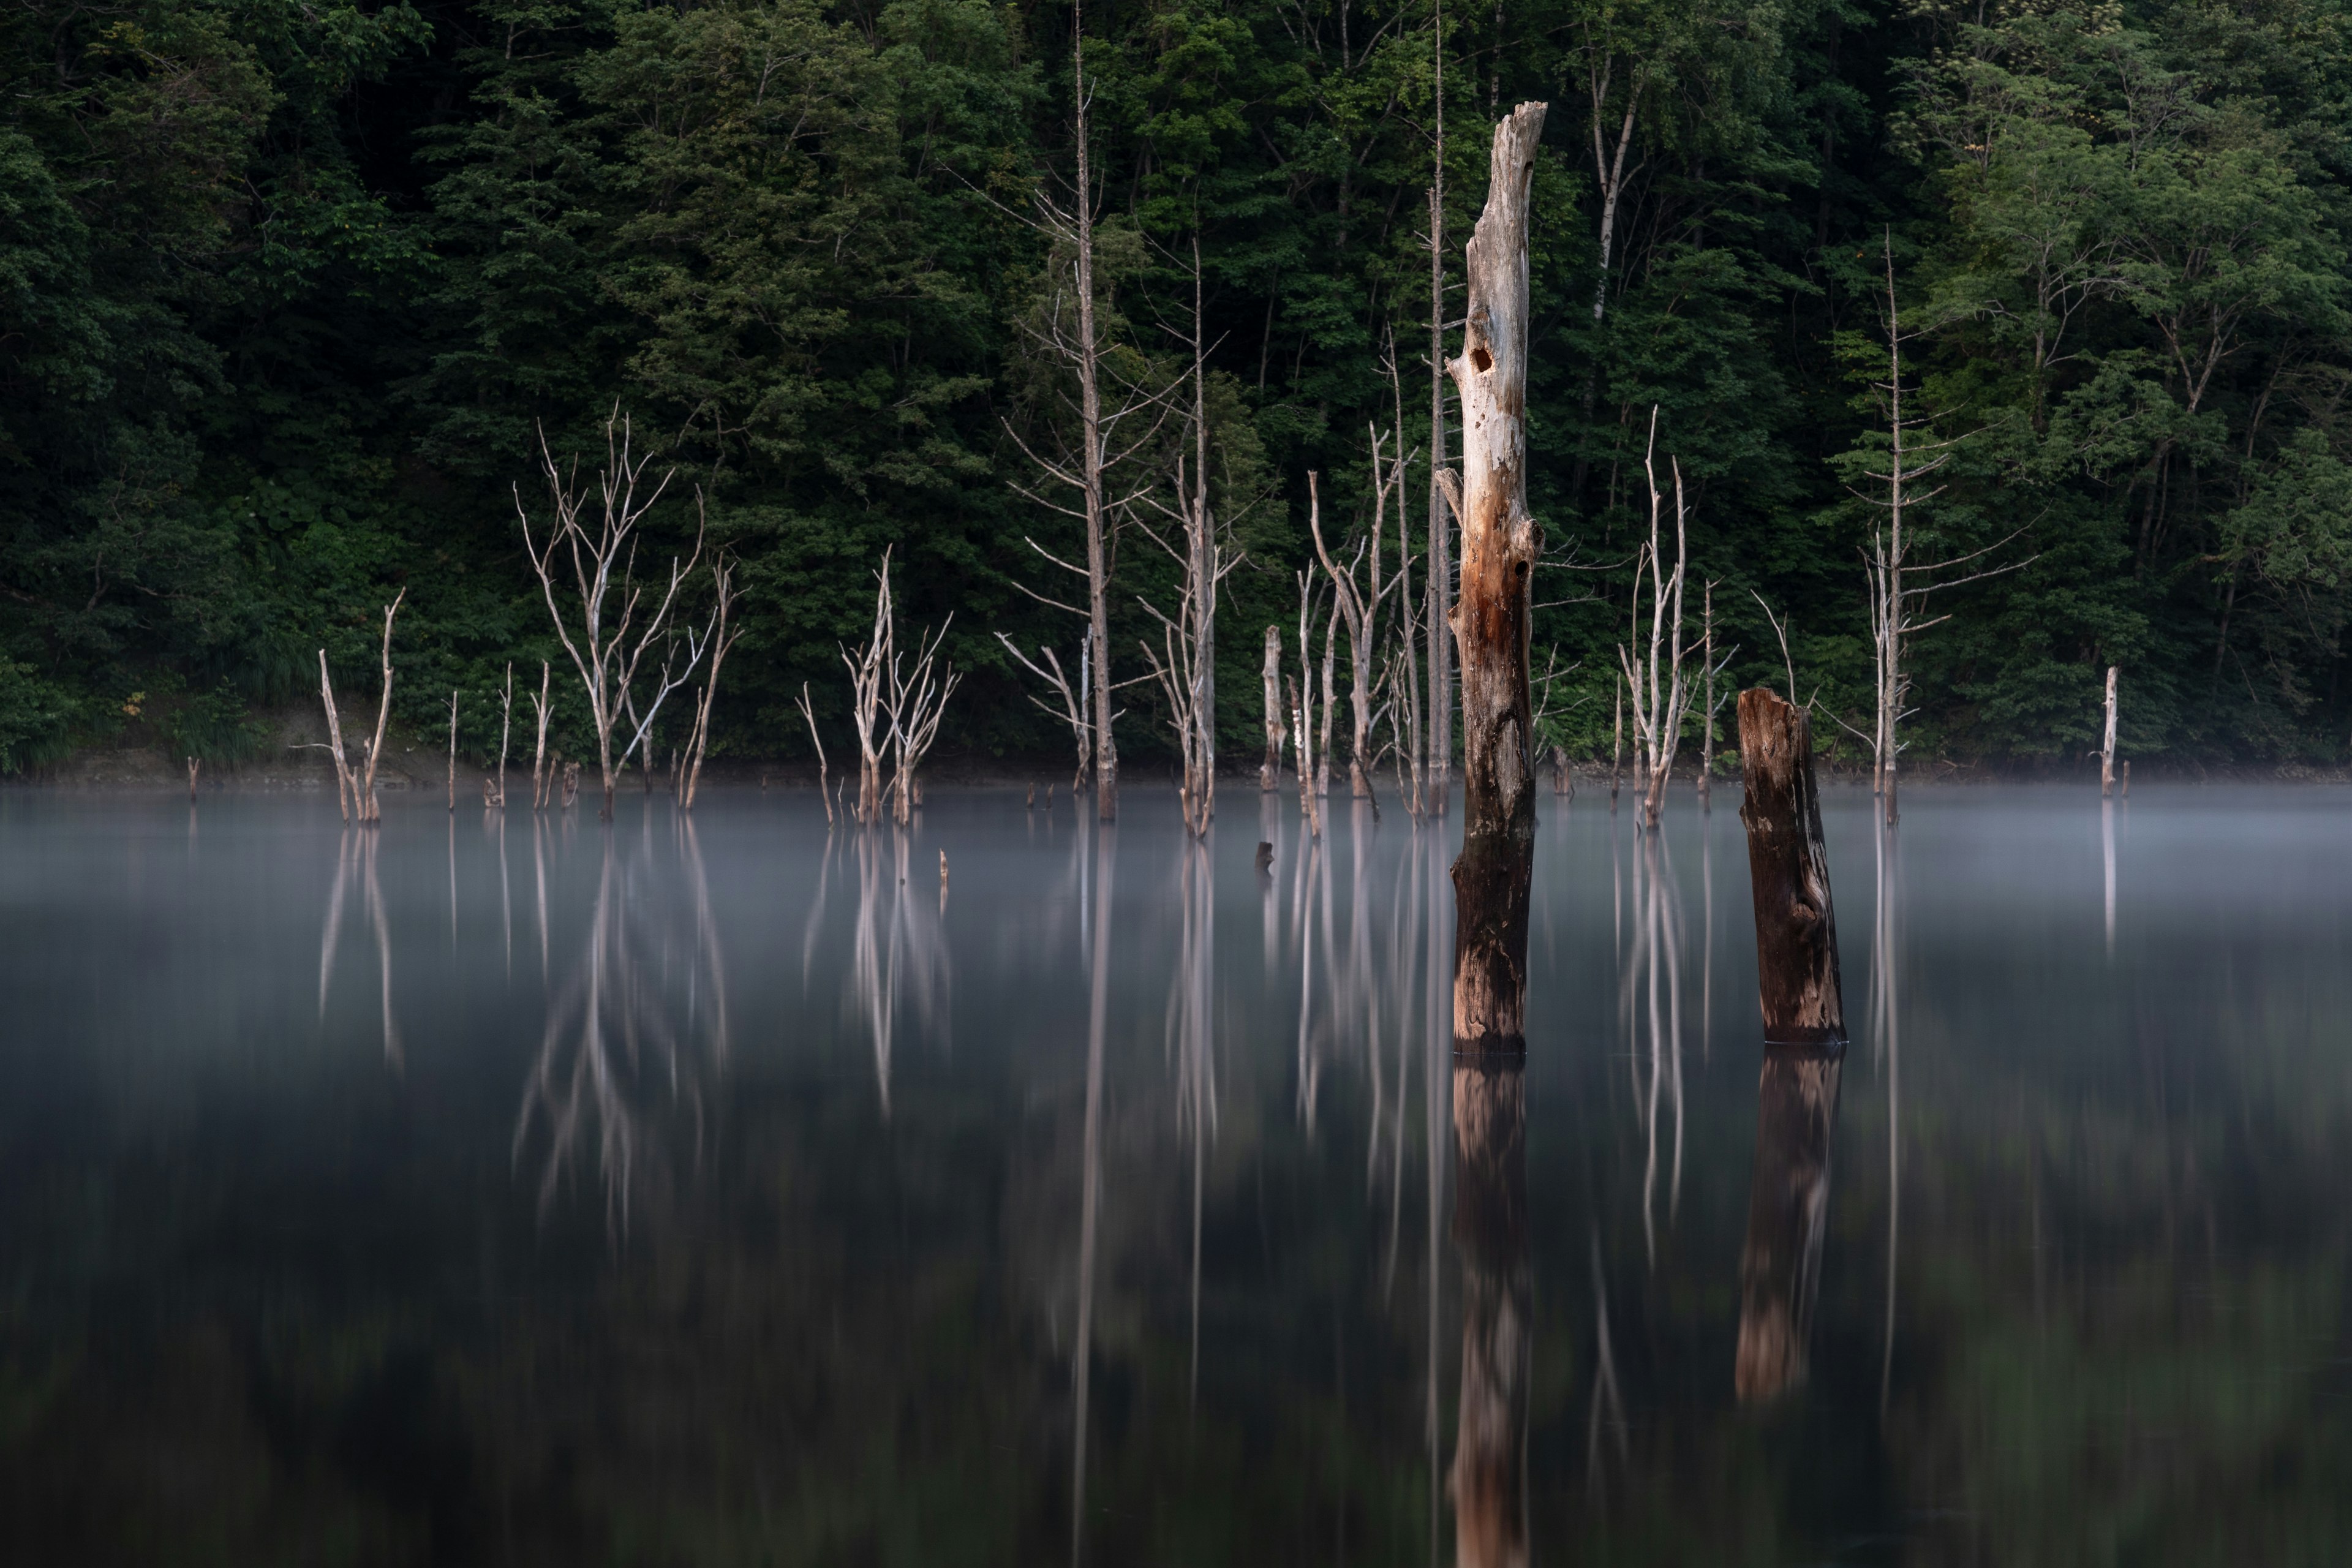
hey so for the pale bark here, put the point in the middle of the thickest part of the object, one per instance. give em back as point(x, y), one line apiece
point(2107, 744)
point(722, 582)
point(1501, 541)
point(369, 808)
point(345, 791)
point(1270, 771)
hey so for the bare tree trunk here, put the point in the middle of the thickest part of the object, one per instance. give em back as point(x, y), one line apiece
point(193, 766)
point(505, 730)
point(1440, 707)
point(539, 716)
point(1788, 868)
point(1270, 771)
point(1707, 739)
point(1500, 543)
point(1090, 415)
point(1323, 740)
point(1617, 746)
point(453, 749)
point(2107, 745)
point(371, 810)
point(1787, 1212)
point(824, 789)
point(1487, 1479)
point(344, 791)
point(722, 579)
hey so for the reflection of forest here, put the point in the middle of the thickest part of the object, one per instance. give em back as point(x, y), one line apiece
point(330, 1322)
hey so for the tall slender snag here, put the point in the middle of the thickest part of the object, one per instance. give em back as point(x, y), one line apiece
point(823, 787)
point(453, 748)
point(346, 791)
point(1500, 545)
point(722, 584)
point(1269, 771)
point(369, 808)
point(1659, 708)
point(1787, 869)
point(542, 781)
point(2107, 743)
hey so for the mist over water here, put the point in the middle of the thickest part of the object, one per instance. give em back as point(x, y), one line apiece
point(527, 1189)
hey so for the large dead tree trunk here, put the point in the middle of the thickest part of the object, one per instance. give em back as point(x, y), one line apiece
point(1490, 1236)
point(2107, 745)
point(1499, 544)
point(1796, 928)
point(1270, 771)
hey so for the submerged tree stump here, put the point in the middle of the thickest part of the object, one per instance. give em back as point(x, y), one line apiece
point(1788, 1210)
point(1796, 928)
point(1490, 1238)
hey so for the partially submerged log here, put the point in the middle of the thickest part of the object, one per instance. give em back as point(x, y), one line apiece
point(1788, 1212)
point(1488, 1476)
point(1796, 928)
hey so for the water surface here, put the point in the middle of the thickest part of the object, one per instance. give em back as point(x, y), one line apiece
point(726, 1191)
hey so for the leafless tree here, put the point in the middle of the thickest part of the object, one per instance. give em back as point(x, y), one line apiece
point(1359, 604)
point(1269, 771)
point(1185, 663)
point(823, 786)
point(365, 804)
point(346, 787)
point(543, 779)
point(614, 623)
point(722, 637)
point(1660, 692)
point(918, 700)
point(1073, 709)
point(868, 675)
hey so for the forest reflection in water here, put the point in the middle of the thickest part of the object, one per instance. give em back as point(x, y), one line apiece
point(721, 1188)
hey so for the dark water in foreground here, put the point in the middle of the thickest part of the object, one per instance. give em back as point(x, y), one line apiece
point(546, 1194)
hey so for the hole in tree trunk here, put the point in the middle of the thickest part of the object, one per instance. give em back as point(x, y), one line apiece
point(1481, 361)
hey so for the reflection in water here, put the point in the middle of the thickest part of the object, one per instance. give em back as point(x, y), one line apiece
point(1649, 1010)
point(1090, 1180)
point(900, 950)
point(359, 849)
point(1788, 1210)
point(619, 1040)
point(1191, 1011)
point(2107, 851)
point(1490, 1235)
point(1886, 1036)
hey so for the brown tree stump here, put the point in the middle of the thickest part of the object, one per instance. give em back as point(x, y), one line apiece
point(1796, 928)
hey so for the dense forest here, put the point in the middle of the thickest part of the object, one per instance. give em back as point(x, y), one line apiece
point(287, 291)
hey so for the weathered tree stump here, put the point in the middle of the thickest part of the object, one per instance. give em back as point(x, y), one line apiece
point(1796, 928)
point(1788, 1210)
point(1500, 543)
point(1490, 1240)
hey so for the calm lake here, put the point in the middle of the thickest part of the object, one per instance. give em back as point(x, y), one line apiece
point(728, 1192)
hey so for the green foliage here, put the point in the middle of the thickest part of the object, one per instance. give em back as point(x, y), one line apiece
point(287, 294)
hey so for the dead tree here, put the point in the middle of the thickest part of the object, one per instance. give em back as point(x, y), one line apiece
point(453, 748)
point(368, 808)
point(193, 766)
point(616, 625)
point(1661, 696)
point(541, 780)
point(1323, 740)
point(571, 784)
point(505, 730)
point(1617, 744)
point(1787, 869)
point(722, 584)
point(1439, 762)
point(1360, 605)
point(1185, 663)
point(917, 699)
point(824, 789)
point(2107, 744)
point(1500, 545)
point(1073, 710)
point(1713, 667)
point(1899, 588)
point(1070, 230)
point(1270, 771)
point(346, 790)
point(868, 675)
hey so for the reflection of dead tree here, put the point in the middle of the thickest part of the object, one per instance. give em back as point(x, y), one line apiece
point(617, 1035)
point(1787, 1212)
point(602, 559)
point(722, 582)
point(1073, 710)
point(1650, 1007)
point(1192, 1004)
point(371, 894)
point(899, 951)
point(1488, 1476)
